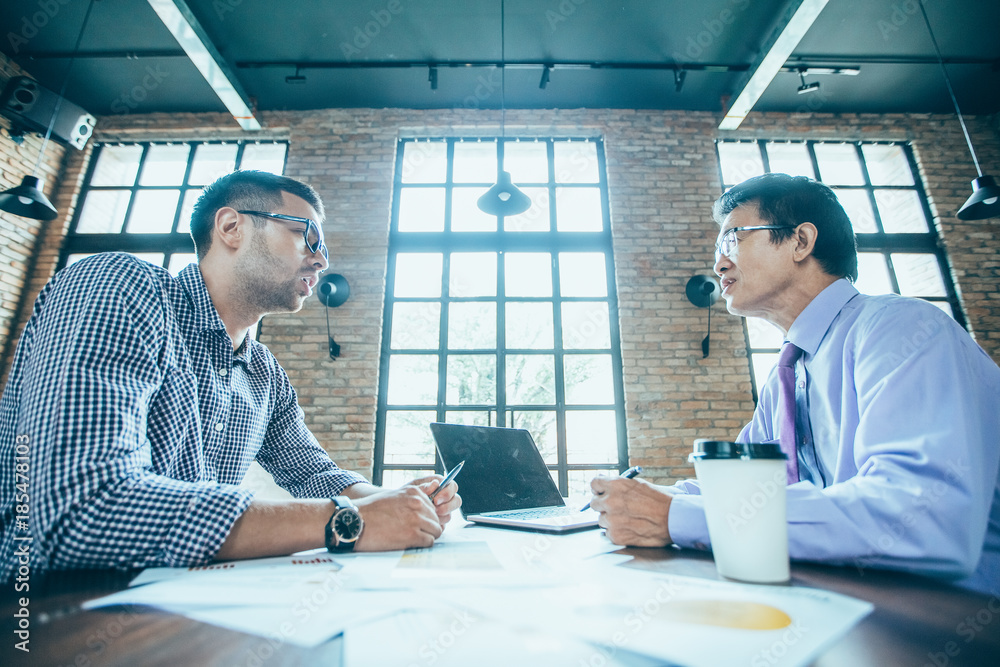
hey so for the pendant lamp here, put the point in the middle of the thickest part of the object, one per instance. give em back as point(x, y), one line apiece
point(504, 198)
point(985, 199)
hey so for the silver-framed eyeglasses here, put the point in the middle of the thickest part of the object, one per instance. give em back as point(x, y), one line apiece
point(313, 233)
point(726, 245)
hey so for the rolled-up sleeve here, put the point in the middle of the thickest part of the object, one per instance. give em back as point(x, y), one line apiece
point(88, 375)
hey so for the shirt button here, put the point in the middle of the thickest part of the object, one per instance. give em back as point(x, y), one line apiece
point(220, 426)
point(802, 384)
point(223, 372)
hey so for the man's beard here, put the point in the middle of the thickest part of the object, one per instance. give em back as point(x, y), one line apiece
point(253, 288)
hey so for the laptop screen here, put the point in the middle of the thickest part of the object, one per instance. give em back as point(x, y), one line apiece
point(503, 469)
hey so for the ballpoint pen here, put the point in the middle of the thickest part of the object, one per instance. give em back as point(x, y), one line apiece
point(634, 471)
point(447, 478)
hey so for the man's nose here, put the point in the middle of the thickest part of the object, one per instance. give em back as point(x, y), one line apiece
point(722, 264)
point(320, 261)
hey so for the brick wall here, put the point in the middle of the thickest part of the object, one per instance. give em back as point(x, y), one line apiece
point(663, 178)
point(19, 237)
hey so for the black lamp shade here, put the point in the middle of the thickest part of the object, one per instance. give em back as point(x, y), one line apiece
point(504, 198)
point(28, 201)
point(702, 291)
point(984, 202)
point(333, 290)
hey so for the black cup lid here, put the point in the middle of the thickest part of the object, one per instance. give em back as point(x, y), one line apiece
point(763, 450)
point(715, 449)
point(720, 449)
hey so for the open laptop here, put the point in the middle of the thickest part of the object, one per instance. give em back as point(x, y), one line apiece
point(505, 482)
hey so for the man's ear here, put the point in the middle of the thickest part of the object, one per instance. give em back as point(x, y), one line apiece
point(229, 227)
point(805, 240)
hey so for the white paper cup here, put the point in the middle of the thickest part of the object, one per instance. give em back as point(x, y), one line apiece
point(743, 486)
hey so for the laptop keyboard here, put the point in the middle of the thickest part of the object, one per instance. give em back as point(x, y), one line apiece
point(536, 513)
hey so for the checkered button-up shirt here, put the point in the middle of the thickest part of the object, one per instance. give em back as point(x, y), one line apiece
point(136, 421)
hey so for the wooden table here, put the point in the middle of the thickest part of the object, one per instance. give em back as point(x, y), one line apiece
point(916, 621)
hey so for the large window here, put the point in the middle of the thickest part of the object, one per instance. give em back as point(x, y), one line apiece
point(501, 321)
point(898, 248)
point(138, 197)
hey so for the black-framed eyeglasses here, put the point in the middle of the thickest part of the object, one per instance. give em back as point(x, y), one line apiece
point(313, 233)
point(726, 244)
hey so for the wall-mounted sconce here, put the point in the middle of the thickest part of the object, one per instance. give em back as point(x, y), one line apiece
point(333, 291)
point(703, 291)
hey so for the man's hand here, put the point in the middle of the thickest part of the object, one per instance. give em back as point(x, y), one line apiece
point(445, 502)
point(633, 511)
point(398, 519)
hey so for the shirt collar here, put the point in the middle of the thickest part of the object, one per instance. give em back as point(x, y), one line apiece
point(206, 317)
point(810, 327)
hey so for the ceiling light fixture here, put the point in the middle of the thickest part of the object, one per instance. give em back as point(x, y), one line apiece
point(27, 199)
point(985, 194)
point(187, 30)
point(432, 76)
point(679, 76)
point(778, 48)
point(296, 78)
point(545, 77)
point(806, 87)
point(504, 198)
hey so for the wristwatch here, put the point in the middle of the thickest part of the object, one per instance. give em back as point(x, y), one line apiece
point(345, 526)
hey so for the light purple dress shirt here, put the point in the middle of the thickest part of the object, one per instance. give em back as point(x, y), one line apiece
point(900, 469)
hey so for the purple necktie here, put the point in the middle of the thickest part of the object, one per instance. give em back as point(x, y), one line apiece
point(786, 400)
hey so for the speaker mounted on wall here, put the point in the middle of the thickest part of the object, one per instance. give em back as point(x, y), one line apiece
point(31, 107)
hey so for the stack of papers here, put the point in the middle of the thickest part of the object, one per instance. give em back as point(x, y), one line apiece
point(472, 602)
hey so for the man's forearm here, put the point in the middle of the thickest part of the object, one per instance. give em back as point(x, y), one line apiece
point(276, 528)
point(361, 490)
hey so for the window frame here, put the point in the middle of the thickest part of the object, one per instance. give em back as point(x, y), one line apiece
point(169, 243)
point(880, 242)
point(501, 242)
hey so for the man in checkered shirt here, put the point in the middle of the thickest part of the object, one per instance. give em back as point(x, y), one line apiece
point(142, 400)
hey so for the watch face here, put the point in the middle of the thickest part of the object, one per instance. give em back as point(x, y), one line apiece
point(347, 525)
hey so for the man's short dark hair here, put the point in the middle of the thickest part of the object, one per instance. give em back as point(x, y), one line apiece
point(791, 200)
point(245, 190)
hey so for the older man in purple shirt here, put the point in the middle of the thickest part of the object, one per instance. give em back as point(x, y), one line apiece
point(897, 420)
